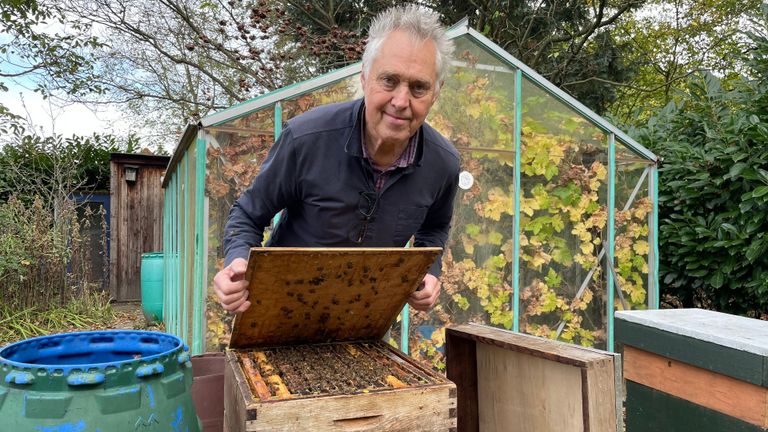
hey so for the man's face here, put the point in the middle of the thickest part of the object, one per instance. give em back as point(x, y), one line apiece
point(399, 89)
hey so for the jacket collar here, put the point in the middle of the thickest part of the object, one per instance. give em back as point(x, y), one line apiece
point(354, 142)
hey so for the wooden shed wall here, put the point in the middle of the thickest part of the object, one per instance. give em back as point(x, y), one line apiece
point(136, 221)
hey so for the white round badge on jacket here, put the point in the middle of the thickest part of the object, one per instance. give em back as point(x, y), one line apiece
point(466, 180)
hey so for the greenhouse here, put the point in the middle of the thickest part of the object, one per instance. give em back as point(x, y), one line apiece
point(555, 221)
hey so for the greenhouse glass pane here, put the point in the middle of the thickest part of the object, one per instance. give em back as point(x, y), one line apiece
point(563, 211)
point(189, 232)
point(234, 155)
point(476, 112)
point(631, 245)
point(181, 172)
point(340, 91)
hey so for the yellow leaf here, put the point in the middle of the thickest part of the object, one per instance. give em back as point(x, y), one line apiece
point(539, 258)
point(468, 243)
point(474, 111)
point(641, 247)
point(586, 248)
point(438, 337)
point(527, 206)
point(599, 170)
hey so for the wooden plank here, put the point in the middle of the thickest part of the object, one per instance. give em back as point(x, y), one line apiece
point(599, 393)
point(158, 198)
point(461, 368)
point(721, 393)
point(416, 409)
point(407, 363)
point(618, 379)
point(257, 385)
point(124, 234)
point(650, 410)
point(530, 345)
point(742, 365)
point(140, 159)
point(518, 392)
point(306, 295)
point(238, 400)
point(113, 229)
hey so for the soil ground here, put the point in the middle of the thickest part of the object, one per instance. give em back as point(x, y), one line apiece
point(128, 316)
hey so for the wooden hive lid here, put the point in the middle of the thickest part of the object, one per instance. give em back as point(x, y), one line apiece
point(315, 295)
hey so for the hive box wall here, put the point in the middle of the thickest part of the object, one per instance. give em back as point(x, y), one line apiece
point(420, 408)
point(513, 382)
point(694, 369)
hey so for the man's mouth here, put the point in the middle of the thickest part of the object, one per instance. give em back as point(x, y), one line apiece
point(396, 118)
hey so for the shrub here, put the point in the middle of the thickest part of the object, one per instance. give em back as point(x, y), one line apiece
point(713, 196)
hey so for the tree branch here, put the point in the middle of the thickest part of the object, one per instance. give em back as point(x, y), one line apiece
point(631, 86)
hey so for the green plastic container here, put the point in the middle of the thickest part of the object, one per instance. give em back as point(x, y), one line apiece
point(152, 286)
point(120, 380)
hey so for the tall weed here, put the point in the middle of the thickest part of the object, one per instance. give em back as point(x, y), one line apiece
point(44, 259)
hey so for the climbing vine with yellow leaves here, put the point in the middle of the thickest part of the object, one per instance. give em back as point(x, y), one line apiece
point(563, 217)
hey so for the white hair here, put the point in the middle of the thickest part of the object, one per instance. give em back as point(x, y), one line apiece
point(421, 24)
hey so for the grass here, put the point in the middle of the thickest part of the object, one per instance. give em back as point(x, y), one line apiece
point(90, 312)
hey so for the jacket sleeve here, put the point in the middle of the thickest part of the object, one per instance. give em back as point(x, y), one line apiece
point(437, 224)
point(273, 189)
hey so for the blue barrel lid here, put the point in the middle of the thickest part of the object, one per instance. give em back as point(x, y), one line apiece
point(90, 350)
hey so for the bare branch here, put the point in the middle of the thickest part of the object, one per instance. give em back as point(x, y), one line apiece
point(632, 86)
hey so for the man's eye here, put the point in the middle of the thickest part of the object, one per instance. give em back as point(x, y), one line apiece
point(419, 90)
point(388, 82)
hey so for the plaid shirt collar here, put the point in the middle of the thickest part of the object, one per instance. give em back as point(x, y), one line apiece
point(406, 157)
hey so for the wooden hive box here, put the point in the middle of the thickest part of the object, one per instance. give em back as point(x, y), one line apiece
point(308, 355)
point(694, 370)
point(513, 382)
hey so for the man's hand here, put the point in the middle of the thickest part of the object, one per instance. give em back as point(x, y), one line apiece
point(231, 287)
point(426, 295)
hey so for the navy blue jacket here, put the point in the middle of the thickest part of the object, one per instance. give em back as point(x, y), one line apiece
point(316, 172)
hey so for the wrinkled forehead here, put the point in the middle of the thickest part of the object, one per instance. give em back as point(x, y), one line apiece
point(404, 54)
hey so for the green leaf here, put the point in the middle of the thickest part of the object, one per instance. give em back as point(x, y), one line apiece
point(760, 191)
point(472, 229)
point(746, 206)
point(730, 228)
point(736, 169)
point(755, 249)
point(717, 279)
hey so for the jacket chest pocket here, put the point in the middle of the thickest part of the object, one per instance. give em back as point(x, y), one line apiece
point(409, 219)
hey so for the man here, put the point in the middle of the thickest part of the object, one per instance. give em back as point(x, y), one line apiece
point(363, 173)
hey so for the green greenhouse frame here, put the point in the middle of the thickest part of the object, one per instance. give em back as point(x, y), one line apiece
point(496, 281)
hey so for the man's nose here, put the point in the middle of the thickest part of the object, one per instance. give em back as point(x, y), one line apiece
point(401, 96)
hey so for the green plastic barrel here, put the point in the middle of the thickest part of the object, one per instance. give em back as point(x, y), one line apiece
point(103, 381)
point(152, 286)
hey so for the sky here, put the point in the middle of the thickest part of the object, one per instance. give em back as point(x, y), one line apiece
point(50, 117)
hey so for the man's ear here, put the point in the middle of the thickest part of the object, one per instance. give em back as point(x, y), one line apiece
point(437, 92)
point(362, 79)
